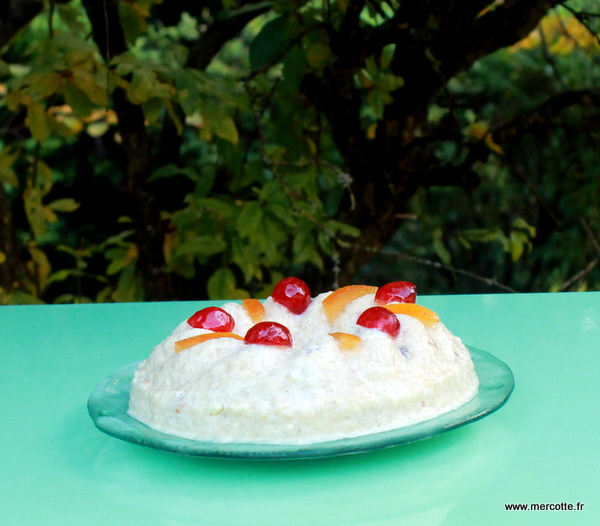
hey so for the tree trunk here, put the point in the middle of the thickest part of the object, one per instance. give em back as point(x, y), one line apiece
point(13, 275)
point(136, 144)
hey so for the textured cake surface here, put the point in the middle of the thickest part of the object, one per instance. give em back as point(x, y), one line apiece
point(227, 390)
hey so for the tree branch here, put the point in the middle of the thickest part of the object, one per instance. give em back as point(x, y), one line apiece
point(226, 26)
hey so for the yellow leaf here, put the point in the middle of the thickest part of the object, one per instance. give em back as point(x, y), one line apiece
point(492, 145)
point(32, 198)
point(7, 158)
point(2, 257)
point(477, 130)
point(49, 215)
point(45, 84)
point(90, 85)
point(173, 114)
point(66, 204)
point(97, 129)
point(480, 131)
point(372, 131)
point(36, 120)
point(365, 79)
point(41, 265)
point(318, 55)
point(44, 173)
point(141, 84)
point(15, 98)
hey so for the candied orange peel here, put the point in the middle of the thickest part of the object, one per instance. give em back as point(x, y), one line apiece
point(426, 316)
point(346, 340)
point(255, 309)
point(181, 345)
point(337, 301)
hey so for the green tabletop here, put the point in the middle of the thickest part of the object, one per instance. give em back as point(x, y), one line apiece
point(540, 448)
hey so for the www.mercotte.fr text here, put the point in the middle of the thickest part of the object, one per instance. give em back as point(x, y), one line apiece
point(556, 506)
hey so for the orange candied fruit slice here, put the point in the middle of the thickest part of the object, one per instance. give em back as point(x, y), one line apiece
point(346, 340)
point(181, 345)
point(426, 316)
point(255, 309)
point(336, 302)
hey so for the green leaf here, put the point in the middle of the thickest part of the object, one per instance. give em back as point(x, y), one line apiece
point(249, 218)
point(141, 85)
point(71, 16)
point(481, 235)
point(294, 69)
point(23, 298)
point(89, 84)
point(61, 275)
point(202, 245)
point(129, 286)
point(343, 228)
point(222, 285)
point(78, 100)
point(226, 129)
point(7, 158)
point(219, 207)
point(304, 247)
point(268, 46)
point(387, 54)
point(440, 248)
point(521, 224)
point(167, 170)
point(242, 256)
point(36, 119)
point(517, 244)
point(34, 210)
point(389, 82)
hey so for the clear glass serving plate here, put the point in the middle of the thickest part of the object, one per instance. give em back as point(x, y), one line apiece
point(109, 401)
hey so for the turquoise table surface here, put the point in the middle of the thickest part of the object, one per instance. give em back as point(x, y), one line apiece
point(542, 447)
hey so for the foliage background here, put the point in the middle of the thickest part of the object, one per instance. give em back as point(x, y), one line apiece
point(213, 156)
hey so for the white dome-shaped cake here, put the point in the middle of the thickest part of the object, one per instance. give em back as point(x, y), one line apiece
point(297, 370)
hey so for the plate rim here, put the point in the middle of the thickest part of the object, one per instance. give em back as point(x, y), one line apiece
point(117, 423)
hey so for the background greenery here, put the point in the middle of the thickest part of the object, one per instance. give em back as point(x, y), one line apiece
point(231, 143)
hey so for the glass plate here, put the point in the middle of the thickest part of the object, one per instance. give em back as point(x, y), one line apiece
point(109, 401)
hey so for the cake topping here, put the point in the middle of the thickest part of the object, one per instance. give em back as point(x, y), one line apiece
point(396, 292)
point(346, 340)
point(269, 333)
point(213, 319)
point(292, 293)
point(337, 301)
point(181, 345)
point(380, 318)
point(426, 316)
point(255, 309)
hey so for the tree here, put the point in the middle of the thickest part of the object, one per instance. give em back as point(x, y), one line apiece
point(242, 140)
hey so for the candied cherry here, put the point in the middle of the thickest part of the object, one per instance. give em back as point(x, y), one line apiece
point(380, 318)
point(292, 293)
point(396, 292)
point(212, 318)
point(269, 333)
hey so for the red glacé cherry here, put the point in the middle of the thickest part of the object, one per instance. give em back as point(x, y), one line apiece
point(292, 293)
point(212, 318)
point(396, 292)
point(269, 333)
point(380, 318)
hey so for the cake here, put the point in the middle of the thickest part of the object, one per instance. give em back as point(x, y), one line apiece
point(300, 370)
